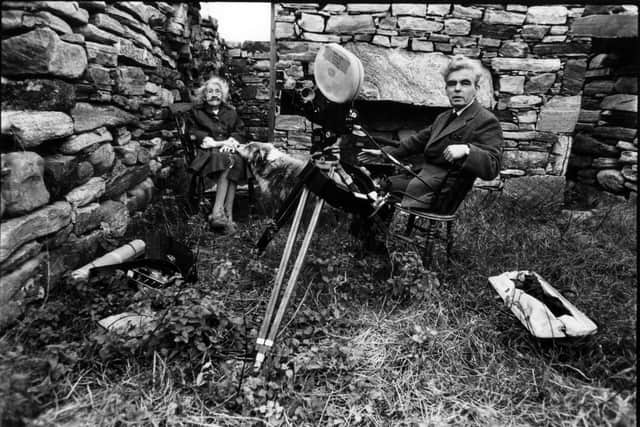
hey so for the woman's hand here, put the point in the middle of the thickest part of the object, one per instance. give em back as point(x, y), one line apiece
point(369, 155)
point(229, 145)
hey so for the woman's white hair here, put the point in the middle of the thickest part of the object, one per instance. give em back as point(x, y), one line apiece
point(213, 81)
point(461, 62)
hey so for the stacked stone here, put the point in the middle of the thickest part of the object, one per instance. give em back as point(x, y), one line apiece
point(249, 65)
point(605, 151)
point(202, 53)
point(86, 86)
point(537, 64)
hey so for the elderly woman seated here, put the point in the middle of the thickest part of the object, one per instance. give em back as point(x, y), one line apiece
point(219, 132)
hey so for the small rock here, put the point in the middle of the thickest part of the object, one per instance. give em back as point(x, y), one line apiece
point(86, 193)
point(23, 188)
point(611, 179)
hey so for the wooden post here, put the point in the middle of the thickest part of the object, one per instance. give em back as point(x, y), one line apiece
point(272, 75)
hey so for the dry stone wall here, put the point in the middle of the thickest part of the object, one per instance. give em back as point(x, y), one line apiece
point(249, 69)
point(86, 133)
point(537, 67)
point(605, 151)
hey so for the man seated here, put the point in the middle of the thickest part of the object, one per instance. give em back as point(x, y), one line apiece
point(462, 144)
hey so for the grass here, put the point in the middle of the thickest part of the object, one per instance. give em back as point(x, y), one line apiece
point(375, 340)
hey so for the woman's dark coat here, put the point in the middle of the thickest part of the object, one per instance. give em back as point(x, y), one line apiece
point(210, 161)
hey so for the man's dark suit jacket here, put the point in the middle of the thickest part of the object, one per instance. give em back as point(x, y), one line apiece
point(478, 128)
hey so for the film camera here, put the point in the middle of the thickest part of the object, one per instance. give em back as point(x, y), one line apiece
point(329, 104)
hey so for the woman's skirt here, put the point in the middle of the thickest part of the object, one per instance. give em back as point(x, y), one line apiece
point(211, 162)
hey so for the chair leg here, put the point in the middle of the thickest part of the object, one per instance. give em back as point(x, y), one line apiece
point(449, 241)
point(195, 192)
point(428, 244)
point(201, 195)
point(410, 223)
point(252, 206)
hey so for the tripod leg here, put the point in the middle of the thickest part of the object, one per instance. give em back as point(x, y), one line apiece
point(264, 329)
point(290, 284)
point(281, 217)
point(449, 241)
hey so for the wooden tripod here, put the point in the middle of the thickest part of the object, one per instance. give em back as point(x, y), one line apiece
point(270, 324)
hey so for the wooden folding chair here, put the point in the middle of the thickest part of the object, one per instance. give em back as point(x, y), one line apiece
point(430, 222)
point(195, 192)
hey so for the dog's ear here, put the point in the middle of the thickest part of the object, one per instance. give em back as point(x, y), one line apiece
point(263, 152)
point(252, 150)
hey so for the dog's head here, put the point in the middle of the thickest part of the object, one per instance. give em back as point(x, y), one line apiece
point(255, 152)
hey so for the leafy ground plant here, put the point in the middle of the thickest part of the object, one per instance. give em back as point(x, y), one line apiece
point(368, 339)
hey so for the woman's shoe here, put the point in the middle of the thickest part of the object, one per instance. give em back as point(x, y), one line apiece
point(217, 221)
point(231, 228)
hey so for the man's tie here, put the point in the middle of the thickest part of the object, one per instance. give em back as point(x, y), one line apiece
point(452, 117)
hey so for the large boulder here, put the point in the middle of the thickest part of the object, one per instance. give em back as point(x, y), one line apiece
point(586, 144)
point(417, 78)
point(25, 282)
point(138, 55)
point(525, 64)
point(62, 173)
point(620, 102)
point(493, 16)
point(86, 193)
point(543, 193)
point(124, 178)
point(23, 188)
point(350, 24)
point(42, 52)
point(68, 10)
point(611, 179)
point(102, 158)
point(17, 231)
point(82, 141)
point(135, 8)
point(114, 218)
point(98, 35)
point(606, 26)
point(19, 256)
point(560, 114)
point(38, 94)
point(87, 117)
point(74, 253)
point(418, 25)
point(555, 15)
point(32, 128)
point(102, 54)
point(311, 22)
point(130, 80)
point(519, 159)
point(86, 218)
point(574, 75)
